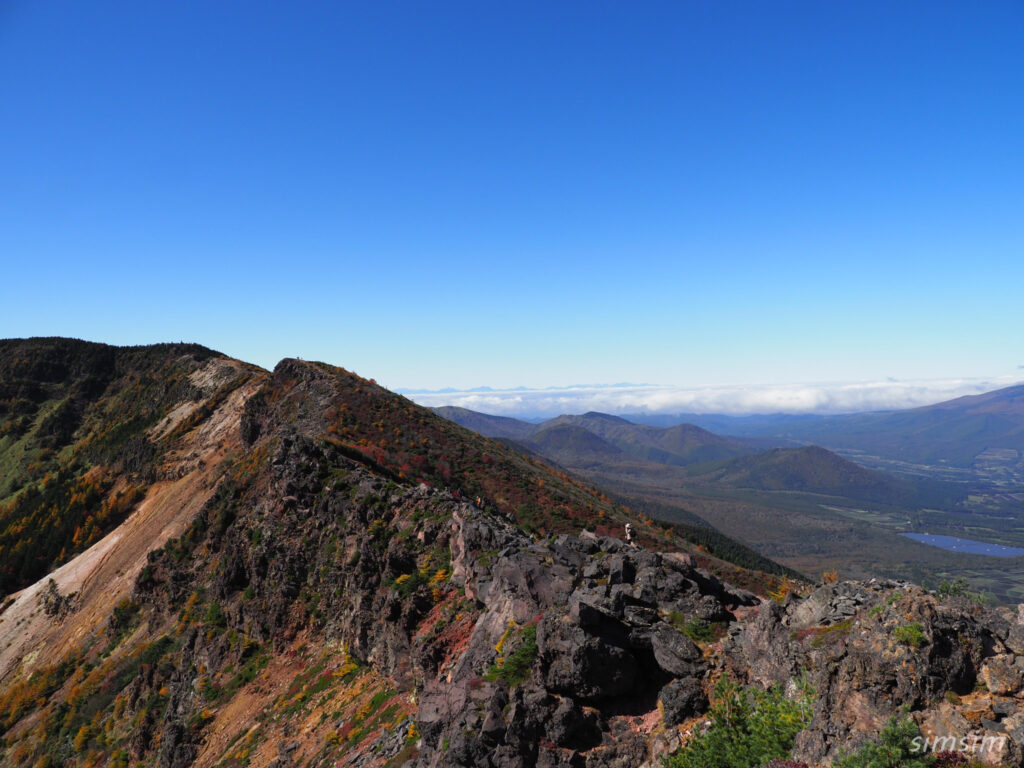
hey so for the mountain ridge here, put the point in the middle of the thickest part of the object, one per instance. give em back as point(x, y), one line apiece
point(343, 577)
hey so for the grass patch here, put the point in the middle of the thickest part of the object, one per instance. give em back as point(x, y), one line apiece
point(823, 636)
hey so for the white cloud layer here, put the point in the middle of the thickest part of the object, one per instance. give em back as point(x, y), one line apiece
point(735, 400)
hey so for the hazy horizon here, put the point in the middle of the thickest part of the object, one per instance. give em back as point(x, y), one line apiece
point(660, 399)
point(732, 400)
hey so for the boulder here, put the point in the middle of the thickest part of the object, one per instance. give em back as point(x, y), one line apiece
point(1002, 675)
point(675, 653)
point(682, 699)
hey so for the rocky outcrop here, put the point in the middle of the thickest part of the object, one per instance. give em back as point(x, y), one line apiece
point(872, 649)
point(594, 625)
point(606, 650)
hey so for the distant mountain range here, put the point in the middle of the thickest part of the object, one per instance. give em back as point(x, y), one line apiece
point(679, 445)
point(969, 433)
point(815, 492)
point(599, 440)
point(957, 432)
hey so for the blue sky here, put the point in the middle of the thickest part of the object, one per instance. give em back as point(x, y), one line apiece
point(455, 194)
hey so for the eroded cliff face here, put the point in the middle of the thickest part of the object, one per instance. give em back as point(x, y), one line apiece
point(303, 602)
point(33, 630)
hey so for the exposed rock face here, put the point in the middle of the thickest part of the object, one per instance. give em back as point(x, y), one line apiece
point(604, 647)
point(870, 649)
point(605, 650)
point(1003, 675)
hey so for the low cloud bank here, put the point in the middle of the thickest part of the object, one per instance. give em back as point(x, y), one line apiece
point(733, 400)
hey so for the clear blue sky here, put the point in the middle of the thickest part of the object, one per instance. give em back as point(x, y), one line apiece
point(456, 194)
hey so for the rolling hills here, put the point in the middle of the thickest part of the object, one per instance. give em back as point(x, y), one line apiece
point(804, 505)
point(595, 440)
point(678, 445)
point(957, 433)
point(487, 425)
point(572, 445)
point(813, 469)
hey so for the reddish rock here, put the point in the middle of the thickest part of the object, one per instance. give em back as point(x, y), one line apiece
point(1002, 675)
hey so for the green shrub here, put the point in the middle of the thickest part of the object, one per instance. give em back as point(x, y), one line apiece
point(407, 583)
point(699, 631)
point(215, 616)
point(516, 667)
point(894, 749)
point(829, 635)
point(248, 671)
point(749, 727)
point(379, 698)
point(695, 629)
point(123, 620)
point(961, 588)
point(910, 634)
point(953, 588)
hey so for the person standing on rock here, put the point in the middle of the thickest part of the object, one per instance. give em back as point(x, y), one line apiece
point(629, 534)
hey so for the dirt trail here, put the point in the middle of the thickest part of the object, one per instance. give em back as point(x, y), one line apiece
point(105, 573)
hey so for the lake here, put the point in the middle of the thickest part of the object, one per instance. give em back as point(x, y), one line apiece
point(967, 546)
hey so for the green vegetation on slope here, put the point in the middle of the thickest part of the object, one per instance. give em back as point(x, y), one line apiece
point(749, 728)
